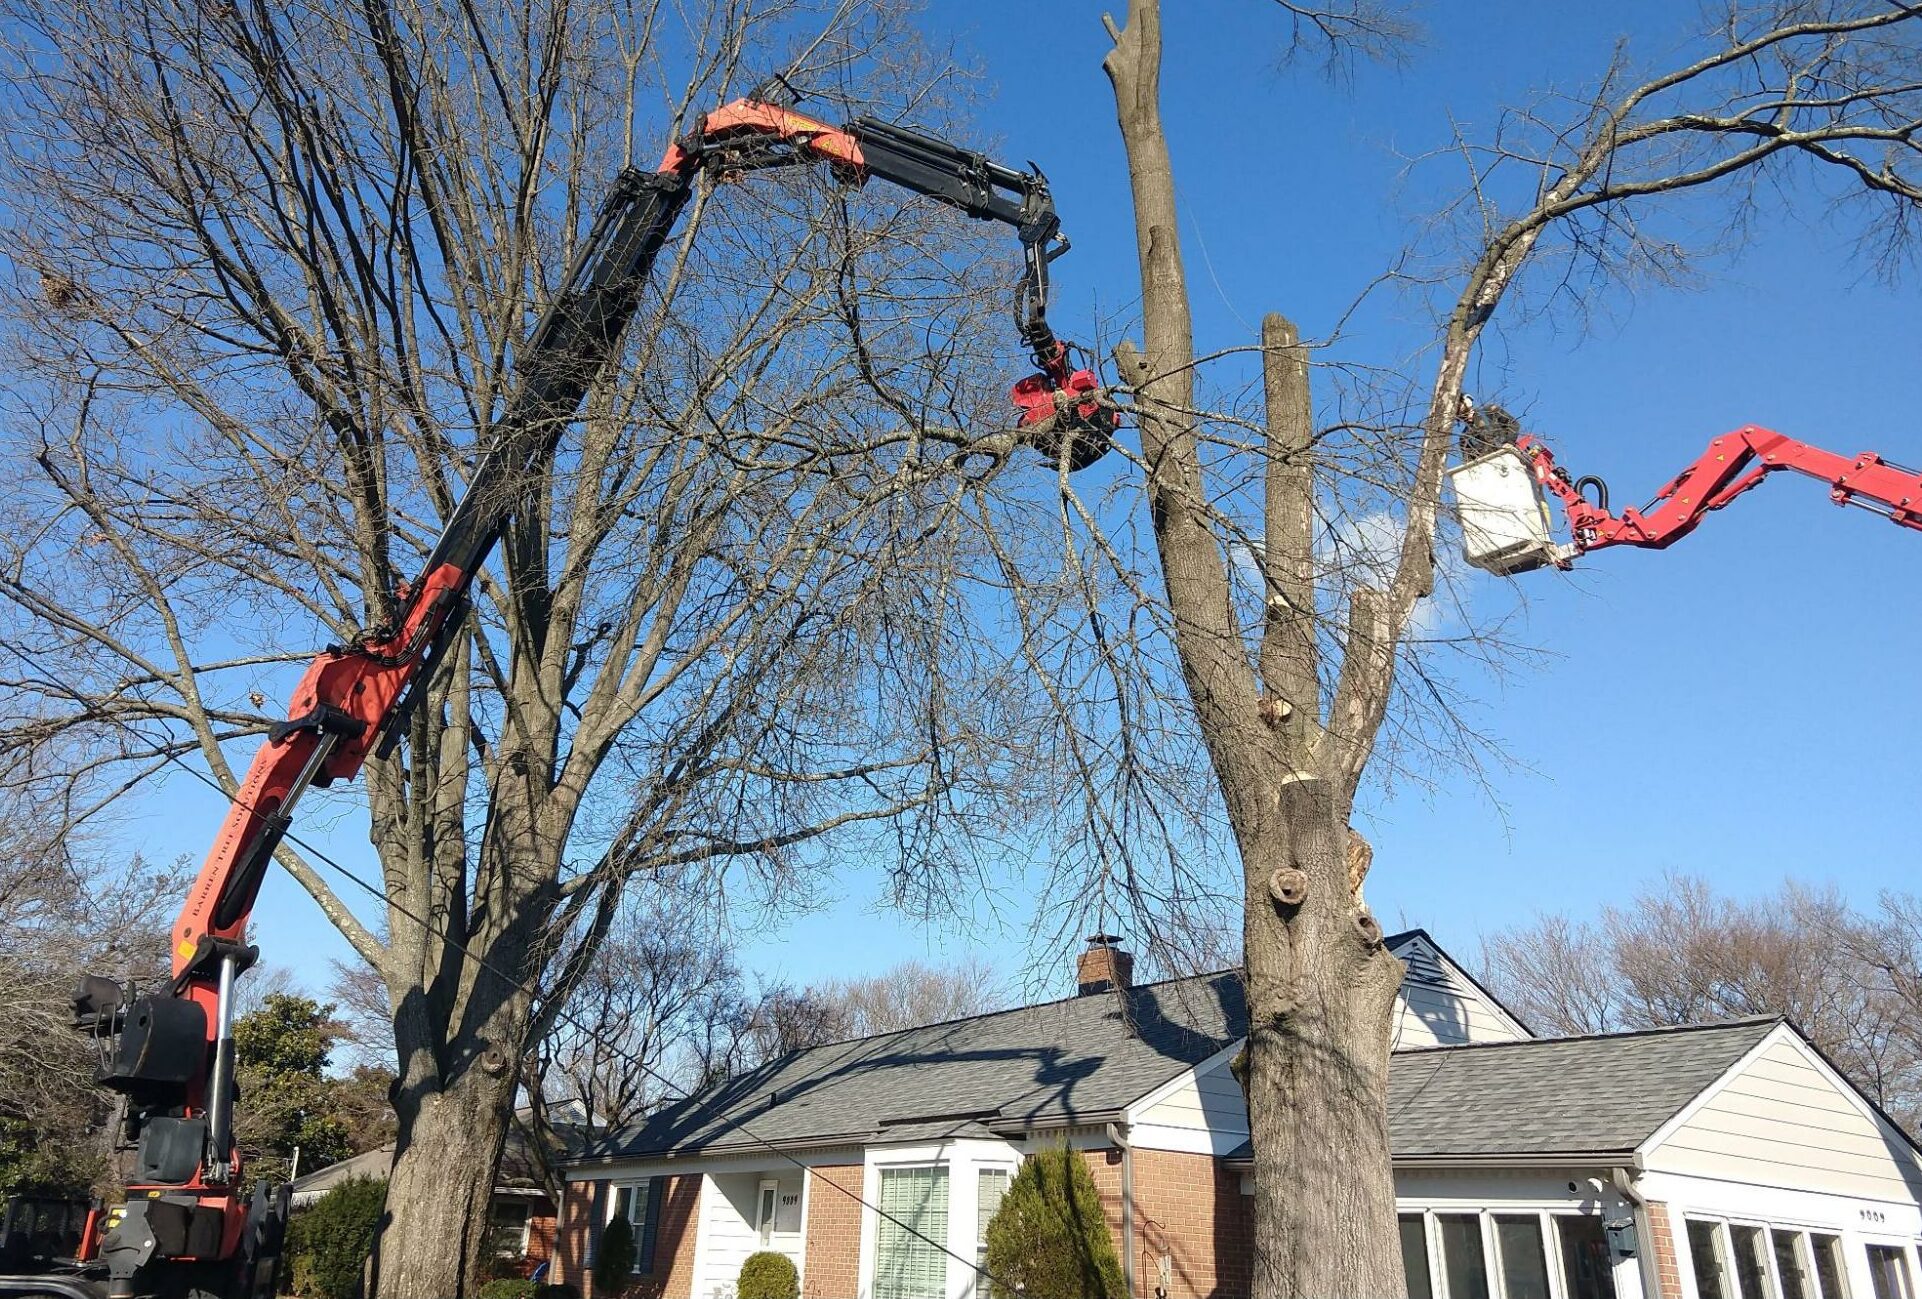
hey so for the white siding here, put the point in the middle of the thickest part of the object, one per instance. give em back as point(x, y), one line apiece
point(1439, 1005)
point(1206, 1100)
point(1781, 1120)
point(728, 1228)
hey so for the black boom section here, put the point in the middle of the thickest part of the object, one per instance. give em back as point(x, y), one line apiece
point(559, 362)
point(565, 353)
point(970, 181)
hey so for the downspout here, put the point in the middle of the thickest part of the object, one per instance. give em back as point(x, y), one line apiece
point(1118, 1133)
point(1623, 1179)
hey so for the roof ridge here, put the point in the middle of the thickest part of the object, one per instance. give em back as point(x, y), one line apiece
point(1708, 1026)
point(1387, 941)
point(1070, 999)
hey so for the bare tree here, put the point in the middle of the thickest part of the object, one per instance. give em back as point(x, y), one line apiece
point(64, 914)
point(1680, 953)
point(1288, 560)
point(784, 1018)
point(276, 261)
point(915, 993)
point(655, 1015)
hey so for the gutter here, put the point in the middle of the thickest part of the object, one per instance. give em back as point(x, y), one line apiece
point(1623, 1178)
point(1535, 1159)
point(1118, 1133)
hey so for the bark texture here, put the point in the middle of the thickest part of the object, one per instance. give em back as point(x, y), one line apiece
point(1321, 985)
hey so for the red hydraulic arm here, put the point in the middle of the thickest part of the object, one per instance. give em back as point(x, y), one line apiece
point(1732, 464)
point(185, 1227)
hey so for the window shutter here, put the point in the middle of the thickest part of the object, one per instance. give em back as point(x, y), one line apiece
point(650, 1230)
point(596, 1222)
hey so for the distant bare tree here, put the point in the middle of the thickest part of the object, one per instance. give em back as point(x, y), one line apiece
point(654, 1016)
point(914, 993)
point(1681, 953)
point(64, 913)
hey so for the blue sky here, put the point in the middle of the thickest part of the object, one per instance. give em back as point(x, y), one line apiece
point(1739, 706)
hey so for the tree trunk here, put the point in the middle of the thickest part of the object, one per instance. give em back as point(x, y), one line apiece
point(1321, 998)
point(459, 1123)
point(1321, 985)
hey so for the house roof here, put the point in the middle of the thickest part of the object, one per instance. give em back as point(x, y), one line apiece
point(519, 1172)
point(369, 1163)
point(1081, 1059)
point(1598, 1095)
point(1086, 1059)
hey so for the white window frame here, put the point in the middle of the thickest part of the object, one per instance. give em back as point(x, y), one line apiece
point(1907, 1248)
point(1852, 1252)
point(764, 1225)
point(1551, 1235)
point(962, 1157)
point(527, 1223)
point(1010, 1166)
point(637, 1193)
point(873, 1251)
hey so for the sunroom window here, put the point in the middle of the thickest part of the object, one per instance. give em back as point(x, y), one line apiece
point(909, 1259)
point(1889, 1272)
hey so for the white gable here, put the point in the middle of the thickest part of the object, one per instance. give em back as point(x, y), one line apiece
point(1439, 1005)
point(1201, 1109)
point(1782, 1117)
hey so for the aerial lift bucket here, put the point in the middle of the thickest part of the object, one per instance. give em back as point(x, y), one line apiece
point(1504, 516)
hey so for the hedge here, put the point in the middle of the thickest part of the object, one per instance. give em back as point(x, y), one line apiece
point(329, 1241)
point(768, 1275)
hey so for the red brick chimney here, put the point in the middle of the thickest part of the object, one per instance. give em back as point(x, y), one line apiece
point(1105, 966)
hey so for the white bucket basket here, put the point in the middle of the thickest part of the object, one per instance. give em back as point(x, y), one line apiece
point(1504, 518)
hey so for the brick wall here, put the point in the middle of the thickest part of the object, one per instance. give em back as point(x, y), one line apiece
point(1661, 1246)
point(541, 1225)
point(1190, 1211)
point(831, 1268)
point(570, 1236)
point(672, 1276)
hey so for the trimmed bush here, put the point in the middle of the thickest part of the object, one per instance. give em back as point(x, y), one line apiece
point(1049, 1239)
point(335, 1235)
point(510, 1287)
point(768, 1275)
point(614, 1265)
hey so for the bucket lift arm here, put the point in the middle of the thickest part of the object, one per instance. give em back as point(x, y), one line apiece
point(1502, 494)
point(186, 1228)
point(1733, 464)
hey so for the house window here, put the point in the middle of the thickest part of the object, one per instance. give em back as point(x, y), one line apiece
point(1790, 1248)
point(990, 1185)
point(1889, 1272)
point(1414, 1256)
point(1705, 1254)
point(1518, 1238)
point(630, 1202)
point(1462, 1261)
point(1827, 1251)
point(1586, 1269)
point(909, 1259)
point(767, 1203)
point(507, 1228)
point(1751, 1265)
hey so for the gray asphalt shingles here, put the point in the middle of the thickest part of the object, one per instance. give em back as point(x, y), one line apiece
point(1552, 1095)
point(1042, 1065)
point(1087, 1057)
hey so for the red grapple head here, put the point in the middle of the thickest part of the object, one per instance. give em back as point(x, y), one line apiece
point(1065, 410)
